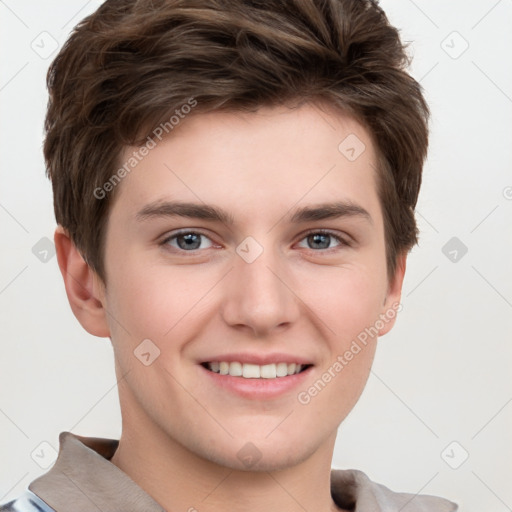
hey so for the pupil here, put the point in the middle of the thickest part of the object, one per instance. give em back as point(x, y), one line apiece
point(319, 240)
point(189, 241)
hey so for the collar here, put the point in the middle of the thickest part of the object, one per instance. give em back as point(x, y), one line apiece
point(84, 479)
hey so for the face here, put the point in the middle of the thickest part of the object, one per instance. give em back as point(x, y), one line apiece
point(248, 243)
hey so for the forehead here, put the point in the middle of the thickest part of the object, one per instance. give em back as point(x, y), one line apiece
point(253, 161)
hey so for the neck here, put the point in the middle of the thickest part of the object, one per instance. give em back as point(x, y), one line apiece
point(181, 480)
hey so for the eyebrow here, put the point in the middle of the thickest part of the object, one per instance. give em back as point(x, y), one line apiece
point(321, 211)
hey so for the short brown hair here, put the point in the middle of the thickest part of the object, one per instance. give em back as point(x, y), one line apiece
point(129, 65)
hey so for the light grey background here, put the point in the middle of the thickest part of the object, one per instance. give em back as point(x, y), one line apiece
point(441, 386)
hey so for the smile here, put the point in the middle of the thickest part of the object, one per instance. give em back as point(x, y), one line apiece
point(255, 371)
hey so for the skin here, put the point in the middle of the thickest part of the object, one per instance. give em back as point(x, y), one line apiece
point(181, 434)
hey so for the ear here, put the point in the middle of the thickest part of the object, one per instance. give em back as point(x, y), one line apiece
point(84, 288)
point(391, 305)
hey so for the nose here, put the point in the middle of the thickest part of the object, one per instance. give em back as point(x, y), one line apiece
point(259, 296)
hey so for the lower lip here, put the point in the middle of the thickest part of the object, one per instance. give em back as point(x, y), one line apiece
point(258, 389)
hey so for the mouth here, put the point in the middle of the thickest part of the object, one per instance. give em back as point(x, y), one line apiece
point(255, 371)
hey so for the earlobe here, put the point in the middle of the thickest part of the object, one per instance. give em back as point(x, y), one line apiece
point(83, 287)
point(391, 304)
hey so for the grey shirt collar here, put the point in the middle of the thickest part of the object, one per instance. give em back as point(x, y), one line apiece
point(84, 480)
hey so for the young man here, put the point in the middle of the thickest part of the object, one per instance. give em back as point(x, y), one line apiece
point(234, 184)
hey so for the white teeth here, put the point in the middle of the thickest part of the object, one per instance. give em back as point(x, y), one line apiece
point(254, 371)
point(281, 369)
point(251, 371)
point(268, 371)
point(235, 369)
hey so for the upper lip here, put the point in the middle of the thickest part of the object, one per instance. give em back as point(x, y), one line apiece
point(259, 359)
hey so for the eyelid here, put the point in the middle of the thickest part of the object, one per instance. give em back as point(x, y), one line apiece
point(183, 231)
point(341, 239)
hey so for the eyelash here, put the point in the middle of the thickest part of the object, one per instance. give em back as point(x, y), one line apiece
point(341, 241)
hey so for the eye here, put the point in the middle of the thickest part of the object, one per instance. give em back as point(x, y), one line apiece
point(188, 241)
point(322, 240)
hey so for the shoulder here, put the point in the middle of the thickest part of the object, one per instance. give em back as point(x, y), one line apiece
point(354, 487)
point(26, 502)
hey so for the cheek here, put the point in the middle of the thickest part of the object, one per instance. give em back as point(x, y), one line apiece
point(349, 306)
point(346, 299)
point(154, 302)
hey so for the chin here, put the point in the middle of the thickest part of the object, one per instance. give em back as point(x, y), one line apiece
point(259, 455)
